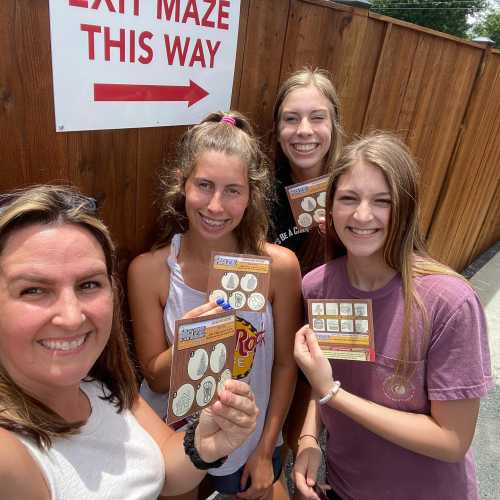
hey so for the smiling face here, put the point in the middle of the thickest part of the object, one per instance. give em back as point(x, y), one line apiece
point(361, 210)
point(56, 306)
point(305, 131)
point(217, 195)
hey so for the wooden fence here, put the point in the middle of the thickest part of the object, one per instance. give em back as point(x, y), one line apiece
point(441, 93)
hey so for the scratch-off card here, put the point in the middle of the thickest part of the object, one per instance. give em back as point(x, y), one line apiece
point(307, 201)
point(240, 279)
point(202, 360)
point(343, 327)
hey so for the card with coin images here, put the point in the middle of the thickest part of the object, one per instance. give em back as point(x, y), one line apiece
point(202, 360)
point(307, 200)
point(241, 280)
point(343, 327)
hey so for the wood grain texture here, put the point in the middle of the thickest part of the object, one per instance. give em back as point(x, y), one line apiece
point(468, 202)
point(442, 94)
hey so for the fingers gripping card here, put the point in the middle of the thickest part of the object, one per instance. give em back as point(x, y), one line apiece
point(343, 327)
point(242, 280)
point(307, 201)
point(202, 360)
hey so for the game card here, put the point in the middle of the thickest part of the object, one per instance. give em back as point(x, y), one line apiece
point(242, 280)
point(344, 328)
point(307, 200)
point(202, 360)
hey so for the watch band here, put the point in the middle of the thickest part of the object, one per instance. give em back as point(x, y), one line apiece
point(329, 395)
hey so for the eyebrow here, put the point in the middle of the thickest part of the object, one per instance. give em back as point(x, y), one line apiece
point(382, 193)
point(35, 278)
point(316, 110)
point(233, 184)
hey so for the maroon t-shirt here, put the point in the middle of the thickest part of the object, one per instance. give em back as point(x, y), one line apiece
point(453, 362)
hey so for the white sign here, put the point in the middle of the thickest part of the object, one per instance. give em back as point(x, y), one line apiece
point(141, 63)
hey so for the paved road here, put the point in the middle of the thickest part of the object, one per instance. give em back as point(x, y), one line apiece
point(486, 443)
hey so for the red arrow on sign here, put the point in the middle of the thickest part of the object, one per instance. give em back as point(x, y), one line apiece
point(128, 92)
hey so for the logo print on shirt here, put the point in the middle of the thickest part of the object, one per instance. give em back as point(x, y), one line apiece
point(247, 340)
point(398, 388)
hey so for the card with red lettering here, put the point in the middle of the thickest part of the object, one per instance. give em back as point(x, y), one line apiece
point(202, 360)
point(240, 279)
point(307, 201)
point(343, 327)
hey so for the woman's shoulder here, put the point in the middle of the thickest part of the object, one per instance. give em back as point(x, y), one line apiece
point(16, 464)
point(148, 277)
point(150, 264)
point(450, 288)
point(282, 257)
point(326, 270)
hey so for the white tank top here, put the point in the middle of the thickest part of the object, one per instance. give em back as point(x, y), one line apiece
point(254, 354)
point(111, 458)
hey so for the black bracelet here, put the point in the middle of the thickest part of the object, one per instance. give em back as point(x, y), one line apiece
point(193, 454)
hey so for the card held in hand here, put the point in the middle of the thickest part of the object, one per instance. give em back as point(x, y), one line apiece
point(343, 327)
point(202, 360)
point(307, 201)
point(241, 280)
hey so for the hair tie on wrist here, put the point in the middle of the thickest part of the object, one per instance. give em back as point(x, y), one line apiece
point(192, 452)
point(308, 435)
point(230, 120)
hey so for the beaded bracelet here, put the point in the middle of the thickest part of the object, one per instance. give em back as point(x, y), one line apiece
point(329, 395)
point(193, 454)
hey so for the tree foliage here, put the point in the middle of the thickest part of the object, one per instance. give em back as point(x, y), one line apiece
point(489, 25)
point(448, 16)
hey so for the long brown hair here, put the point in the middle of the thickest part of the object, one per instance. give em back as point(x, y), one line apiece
point(404, 248)
point(232, 134)
point(60, 205)
point(309, 254)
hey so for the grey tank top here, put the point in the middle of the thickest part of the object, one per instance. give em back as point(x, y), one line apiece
point(254, 353)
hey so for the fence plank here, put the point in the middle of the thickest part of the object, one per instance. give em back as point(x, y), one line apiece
point(263, 48)
point(473, 181)
point(390, 74)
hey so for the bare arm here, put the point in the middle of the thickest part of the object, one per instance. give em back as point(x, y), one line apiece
point(148, 284)
point(445, 434)
point(309, 453)
point(285, 295)
point(20, 476)
point(222, 428)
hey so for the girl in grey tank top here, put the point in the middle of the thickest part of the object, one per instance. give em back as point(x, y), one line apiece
point(215, 200)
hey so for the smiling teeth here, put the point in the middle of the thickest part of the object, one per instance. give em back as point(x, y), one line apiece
point(363, 231)
point(63, 345)
point(304, 148)
point(212, 222)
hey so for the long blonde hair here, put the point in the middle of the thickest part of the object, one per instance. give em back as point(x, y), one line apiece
point(215, 133)
point(321, 80)
point(404, 248)
point(309, 254)
point(60, 205)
